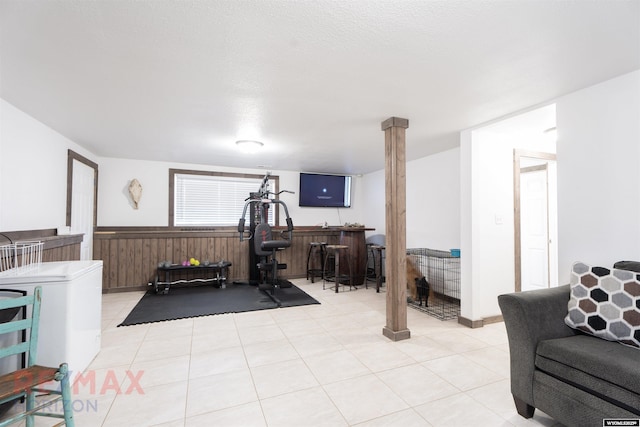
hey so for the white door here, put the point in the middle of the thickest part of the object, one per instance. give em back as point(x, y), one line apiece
point(82, 203)
point(534, 229)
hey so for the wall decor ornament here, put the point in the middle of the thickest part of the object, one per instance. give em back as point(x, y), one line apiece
point(135, 190)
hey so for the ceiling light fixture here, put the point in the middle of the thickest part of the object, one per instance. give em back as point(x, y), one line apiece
point(249, 145)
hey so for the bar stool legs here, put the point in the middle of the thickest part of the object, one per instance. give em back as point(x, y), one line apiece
point(336, 250)
point(377, 256)
point(316, 255)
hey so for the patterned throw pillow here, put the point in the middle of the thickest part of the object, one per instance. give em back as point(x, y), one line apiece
point(605, 303)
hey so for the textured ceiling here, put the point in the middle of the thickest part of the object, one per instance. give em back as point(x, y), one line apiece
point(181, 81)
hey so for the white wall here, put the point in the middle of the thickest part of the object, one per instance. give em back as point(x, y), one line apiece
point(599, 174)
point(487, 219)
point(433, 201)
point(373, 186)
point(33, 172)
point(115, 209)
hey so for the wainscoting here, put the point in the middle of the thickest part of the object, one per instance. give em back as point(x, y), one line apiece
point(130, 255)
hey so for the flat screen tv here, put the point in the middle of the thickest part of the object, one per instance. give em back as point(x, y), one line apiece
point(325, 191)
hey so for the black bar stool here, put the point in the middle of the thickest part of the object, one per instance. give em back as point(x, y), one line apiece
point(377, 264)
point(370, 269)
point(315, 257)
point(336, 251)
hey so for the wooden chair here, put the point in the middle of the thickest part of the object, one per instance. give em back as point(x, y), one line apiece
point(25, 383)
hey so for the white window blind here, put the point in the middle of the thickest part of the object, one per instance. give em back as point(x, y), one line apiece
point(205, 200)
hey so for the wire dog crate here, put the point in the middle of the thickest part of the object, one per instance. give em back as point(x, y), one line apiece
point(442, 272)
point(20, 255)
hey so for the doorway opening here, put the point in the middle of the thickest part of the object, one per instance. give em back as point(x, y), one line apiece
point(535, 220)
point(82, 191)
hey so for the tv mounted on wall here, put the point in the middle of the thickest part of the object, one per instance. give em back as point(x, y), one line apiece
point(325, 191)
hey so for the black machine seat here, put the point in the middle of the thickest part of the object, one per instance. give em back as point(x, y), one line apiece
point(266, 247)
point(274, 244)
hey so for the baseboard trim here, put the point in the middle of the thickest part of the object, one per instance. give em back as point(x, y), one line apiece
point(493, 319)
point(479, 323)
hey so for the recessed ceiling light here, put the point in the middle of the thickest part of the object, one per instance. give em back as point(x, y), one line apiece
point(249, 145)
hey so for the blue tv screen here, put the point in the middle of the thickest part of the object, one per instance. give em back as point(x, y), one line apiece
point(325, 191)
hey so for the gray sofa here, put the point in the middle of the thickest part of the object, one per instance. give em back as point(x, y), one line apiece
point(577, 379)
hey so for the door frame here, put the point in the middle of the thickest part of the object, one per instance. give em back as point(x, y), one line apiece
point(71, 156)
point(517, 155)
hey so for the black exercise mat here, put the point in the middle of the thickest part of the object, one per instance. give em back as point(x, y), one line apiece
point(193, 301)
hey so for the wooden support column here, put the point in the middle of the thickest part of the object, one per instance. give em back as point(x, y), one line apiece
point(396, 228)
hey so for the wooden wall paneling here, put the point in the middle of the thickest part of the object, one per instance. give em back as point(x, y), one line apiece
point(240, 256)
point(47, 256)
point(122, 263)
point(173, 250)
point(199, 248)
point(130, 258)
point(154, 256)
point(292, 256)
point(192, 248)
point(146, 258)
point(113, 264)
point(137, 261)
point(208, 249)
point(101, 251)
point(177, 251)
point(153, 260)
point(184, 248)
point(168, 251)
point(202, 250)
point(158, 249)
point(162, 249)
point(216, 250)
point(234, 245)
point(223, 251)
point(130, 279)
point(157, 255)
point(204, 247)
point(55, 253)
point(97, 249)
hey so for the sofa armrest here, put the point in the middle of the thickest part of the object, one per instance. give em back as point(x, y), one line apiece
point(531, 317)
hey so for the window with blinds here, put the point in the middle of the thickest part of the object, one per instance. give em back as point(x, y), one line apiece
point(213, 199)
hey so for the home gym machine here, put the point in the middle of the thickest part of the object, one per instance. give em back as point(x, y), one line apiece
point(263, 265)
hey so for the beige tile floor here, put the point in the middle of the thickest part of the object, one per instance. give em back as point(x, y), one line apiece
point(317, 365)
